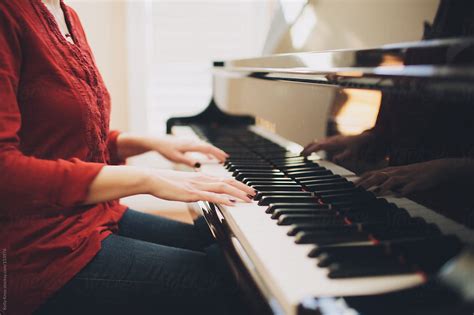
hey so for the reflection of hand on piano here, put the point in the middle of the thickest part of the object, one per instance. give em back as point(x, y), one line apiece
point(340, 147)
point(417, 177)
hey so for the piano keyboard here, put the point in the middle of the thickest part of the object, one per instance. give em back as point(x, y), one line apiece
point(311, 233)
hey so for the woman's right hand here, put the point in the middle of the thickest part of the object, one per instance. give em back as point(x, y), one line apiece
point(114, 182)
point(191, 187)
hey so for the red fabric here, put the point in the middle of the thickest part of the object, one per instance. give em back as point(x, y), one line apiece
point(54, 140)
point(115, 159)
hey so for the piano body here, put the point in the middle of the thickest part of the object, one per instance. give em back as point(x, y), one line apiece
point(312, 243)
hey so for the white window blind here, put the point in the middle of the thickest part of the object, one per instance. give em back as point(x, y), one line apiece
point(186, 36)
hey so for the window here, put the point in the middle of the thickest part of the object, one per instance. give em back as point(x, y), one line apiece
point(171, 48)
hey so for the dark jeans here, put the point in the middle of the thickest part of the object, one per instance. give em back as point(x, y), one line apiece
point(152, 266)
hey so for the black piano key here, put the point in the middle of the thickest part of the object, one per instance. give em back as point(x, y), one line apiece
point(429, 253)
point(327, 179)
point(250, 160)
point(268, 169)
point(259, 171)
point(277, 153)
point(266, 179)
point(290, 165)
point(245, 162)
point(296, 159)
point(238, 153)
point(243, 168)
point(376, 203)
point(282, 156)
point(369, 219)
point(352, 203)
point(270, 182)
point(294, 205)
point(305, 179)
point(270, 150)
point(373, 268)
point(349, 251)
point(372, 209)
point(232, 166)
point(298, 165)
point(331, 237)
point(262, 194)
point(351, 195)
point(294, 187)
point(347, 190)
point(325, 259)
point(307, 168)
point(323, 219)
point(310, 227)
point(329, 186)
point(265, 201)
point(262, 173)
point(305, 174)
point(279, 212)
point(408, 231)
point(248, 176)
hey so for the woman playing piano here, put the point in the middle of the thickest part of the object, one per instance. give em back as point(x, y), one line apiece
point(68, 245)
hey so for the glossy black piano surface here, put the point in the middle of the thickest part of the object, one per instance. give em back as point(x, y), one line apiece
point(353, 233)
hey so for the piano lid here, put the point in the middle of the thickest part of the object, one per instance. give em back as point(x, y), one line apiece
point(451, 59)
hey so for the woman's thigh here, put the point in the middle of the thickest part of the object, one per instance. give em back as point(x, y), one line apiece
point(159, 230)
point(130, 276)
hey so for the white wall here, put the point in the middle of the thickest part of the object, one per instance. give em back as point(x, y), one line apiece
point(105, 26)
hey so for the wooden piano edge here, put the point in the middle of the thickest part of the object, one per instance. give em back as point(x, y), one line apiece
point(251, 291)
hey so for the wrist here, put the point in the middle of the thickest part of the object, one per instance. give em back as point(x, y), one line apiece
point(145, 181)
point(130, 145)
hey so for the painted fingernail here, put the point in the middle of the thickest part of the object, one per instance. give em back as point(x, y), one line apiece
point(233, 200)
point(197, 165)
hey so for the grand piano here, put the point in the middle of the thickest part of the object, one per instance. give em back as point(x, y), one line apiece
point(311, 242)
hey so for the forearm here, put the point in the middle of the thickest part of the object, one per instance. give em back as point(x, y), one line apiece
point(130, 145)
point(114, 182)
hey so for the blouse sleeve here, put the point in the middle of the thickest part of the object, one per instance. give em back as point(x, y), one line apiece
point(115, 159)
point(28, 185)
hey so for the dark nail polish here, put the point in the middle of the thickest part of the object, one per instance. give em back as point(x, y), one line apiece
point(197, 165)
point(233, 200)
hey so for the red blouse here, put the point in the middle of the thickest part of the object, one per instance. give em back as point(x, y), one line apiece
point(54, 140)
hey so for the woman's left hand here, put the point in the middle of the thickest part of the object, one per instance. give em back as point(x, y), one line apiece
point(174, 149)
point(171, 147)
point(404, 180)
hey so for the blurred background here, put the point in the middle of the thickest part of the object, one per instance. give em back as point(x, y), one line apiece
point(156, 55)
